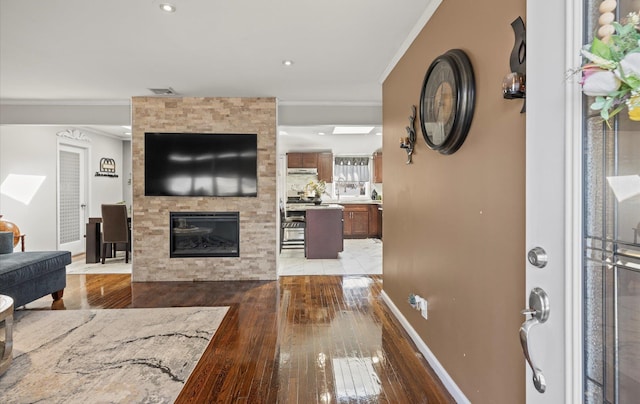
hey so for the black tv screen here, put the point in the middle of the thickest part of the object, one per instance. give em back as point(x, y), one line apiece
point(200, 164)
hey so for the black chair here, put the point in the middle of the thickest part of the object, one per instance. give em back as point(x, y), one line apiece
point(286, 223)
point(115, 229)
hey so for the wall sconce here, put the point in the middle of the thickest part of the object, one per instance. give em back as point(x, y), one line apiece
point(514, 83)
point(409, 142)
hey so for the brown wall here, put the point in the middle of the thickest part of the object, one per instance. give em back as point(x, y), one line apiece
point(454, 225)
point(257, 259)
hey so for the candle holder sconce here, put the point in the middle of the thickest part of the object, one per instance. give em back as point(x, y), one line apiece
point(408, 143)
point(514, 83)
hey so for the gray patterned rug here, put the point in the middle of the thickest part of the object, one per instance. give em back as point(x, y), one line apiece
point(106, 356)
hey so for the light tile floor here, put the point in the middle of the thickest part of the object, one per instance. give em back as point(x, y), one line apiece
point(360, 257)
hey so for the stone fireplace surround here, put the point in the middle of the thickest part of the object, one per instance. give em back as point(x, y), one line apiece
point(258, 230)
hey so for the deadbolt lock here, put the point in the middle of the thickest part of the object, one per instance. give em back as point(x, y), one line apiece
point(537, 256)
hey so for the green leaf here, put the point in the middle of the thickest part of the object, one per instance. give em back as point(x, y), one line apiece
point(601, 49)
point(598, 104)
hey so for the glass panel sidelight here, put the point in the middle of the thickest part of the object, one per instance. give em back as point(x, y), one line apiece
point(69, 197)
point(611, 269)
point(205, 234)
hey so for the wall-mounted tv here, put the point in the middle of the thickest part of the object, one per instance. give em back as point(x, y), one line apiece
point(200, 164)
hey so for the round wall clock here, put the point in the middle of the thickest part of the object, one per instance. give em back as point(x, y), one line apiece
point(447, 101)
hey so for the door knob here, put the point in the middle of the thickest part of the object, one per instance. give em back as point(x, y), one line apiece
point(539, 312)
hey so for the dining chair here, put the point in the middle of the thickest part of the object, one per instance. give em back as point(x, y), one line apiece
point(287, 223)
point(115, 229)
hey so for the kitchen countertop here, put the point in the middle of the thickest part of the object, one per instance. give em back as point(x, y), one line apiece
point(305, 206)
point(357, 202)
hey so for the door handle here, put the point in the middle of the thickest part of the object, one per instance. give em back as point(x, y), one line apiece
point(539, 312)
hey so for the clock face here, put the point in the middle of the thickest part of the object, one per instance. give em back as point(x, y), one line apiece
point(447, 101)
point(439, 103)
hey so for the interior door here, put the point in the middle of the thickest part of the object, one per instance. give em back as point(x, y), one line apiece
point(548, 338)
point(72, 199)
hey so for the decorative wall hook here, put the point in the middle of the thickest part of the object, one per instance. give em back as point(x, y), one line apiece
point(513, 85)
point(409, 142)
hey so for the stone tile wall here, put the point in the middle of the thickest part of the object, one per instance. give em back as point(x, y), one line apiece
point(258, 229)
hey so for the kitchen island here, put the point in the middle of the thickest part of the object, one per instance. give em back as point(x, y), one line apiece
point(323, 231)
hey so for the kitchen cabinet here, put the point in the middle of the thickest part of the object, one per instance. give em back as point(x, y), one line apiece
point(374, 222)
point(325, 167)
point(356, 221)
point(302, 160)
point(377, 168)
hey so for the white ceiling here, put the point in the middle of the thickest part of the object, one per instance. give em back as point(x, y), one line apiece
point(90, 51)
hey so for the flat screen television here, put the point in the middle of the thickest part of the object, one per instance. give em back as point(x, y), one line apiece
point(200, 164)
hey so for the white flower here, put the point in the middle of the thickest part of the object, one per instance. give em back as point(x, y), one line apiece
point(600, 83)
point(630, 65)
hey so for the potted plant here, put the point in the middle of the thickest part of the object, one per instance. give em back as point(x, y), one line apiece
point(314, 191)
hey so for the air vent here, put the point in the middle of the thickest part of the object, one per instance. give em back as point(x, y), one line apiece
point(163, 91)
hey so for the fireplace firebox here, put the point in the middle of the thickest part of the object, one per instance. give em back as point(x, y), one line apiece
point(205, 234)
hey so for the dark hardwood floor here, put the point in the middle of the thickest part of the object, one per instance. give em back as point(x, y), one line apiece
point(303, 339)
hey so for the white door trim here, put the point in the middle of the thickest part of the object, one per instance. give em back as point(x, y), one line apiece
point(574, 335)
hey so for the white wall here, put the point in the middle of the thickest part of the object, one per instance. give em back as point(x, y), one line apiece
point(32, 150)
point(105, 189)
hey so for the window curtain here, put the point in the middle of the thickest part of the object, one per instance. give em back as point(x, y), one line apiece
point(352, 169)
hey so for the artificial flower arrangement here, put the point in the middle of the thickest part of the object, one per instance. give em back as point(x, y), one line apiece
point(315, 189)
point(612, 71)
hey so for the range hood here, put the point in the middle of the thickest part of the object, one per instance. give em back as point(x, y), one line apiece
point(307, 171)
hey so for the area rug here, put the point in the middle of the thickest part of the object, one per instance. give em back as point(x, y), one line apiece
point(111, 266)
point(106, 356)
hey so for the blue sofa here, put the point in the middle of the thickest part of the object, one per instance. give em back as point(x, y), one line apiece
point(27, 276)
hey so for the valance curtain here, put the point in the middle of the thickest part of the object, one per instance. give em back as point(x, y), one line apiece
point(352, 169)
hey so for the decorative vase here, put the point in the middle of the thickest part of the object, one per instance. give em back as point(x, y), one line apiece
point(634, 108)
point(8, 226)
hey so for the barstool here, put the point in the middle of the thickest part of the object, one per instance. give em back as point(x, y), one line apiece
point(6, 346)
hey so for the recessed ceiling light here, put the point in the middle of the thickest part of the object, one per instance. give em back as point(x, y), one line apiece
point(321, 133)
point(287, 62)
point(378, 133)
point(351, 130)
point(167, 7)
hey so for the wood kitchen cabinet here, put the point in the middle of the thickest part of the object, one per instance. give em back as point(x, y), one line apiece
point(356, 221)
point(325, 167)
point(377, 168)
point(374, 222)
point(302, 160)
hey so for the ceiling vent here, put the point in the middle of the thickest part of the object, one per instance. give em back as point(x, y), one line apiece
point(163, 91)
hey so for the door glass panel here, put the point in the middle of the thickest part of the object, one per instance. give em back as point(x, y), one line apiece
point(69, 197)
point(611, 269)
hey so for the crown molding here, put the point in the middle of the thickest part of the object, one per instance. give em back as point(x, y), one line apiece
point(9, 101)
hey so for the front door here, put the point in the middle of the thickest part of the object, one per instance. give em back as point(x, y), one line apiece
point(71, 198)
point(583, 209)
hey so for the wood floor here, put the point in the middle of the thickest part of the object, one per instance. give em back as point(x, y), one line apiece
point(303, 339)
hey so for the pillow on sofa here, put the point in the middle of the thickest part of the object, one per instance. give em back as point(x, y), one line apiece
point(6, 242)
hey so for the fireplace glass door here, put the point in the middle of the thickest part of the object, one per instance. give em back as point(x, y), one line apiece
point(205, 234)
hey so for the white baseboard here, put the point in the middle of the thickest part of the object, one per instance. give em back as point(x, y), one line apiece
point(448, 382)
